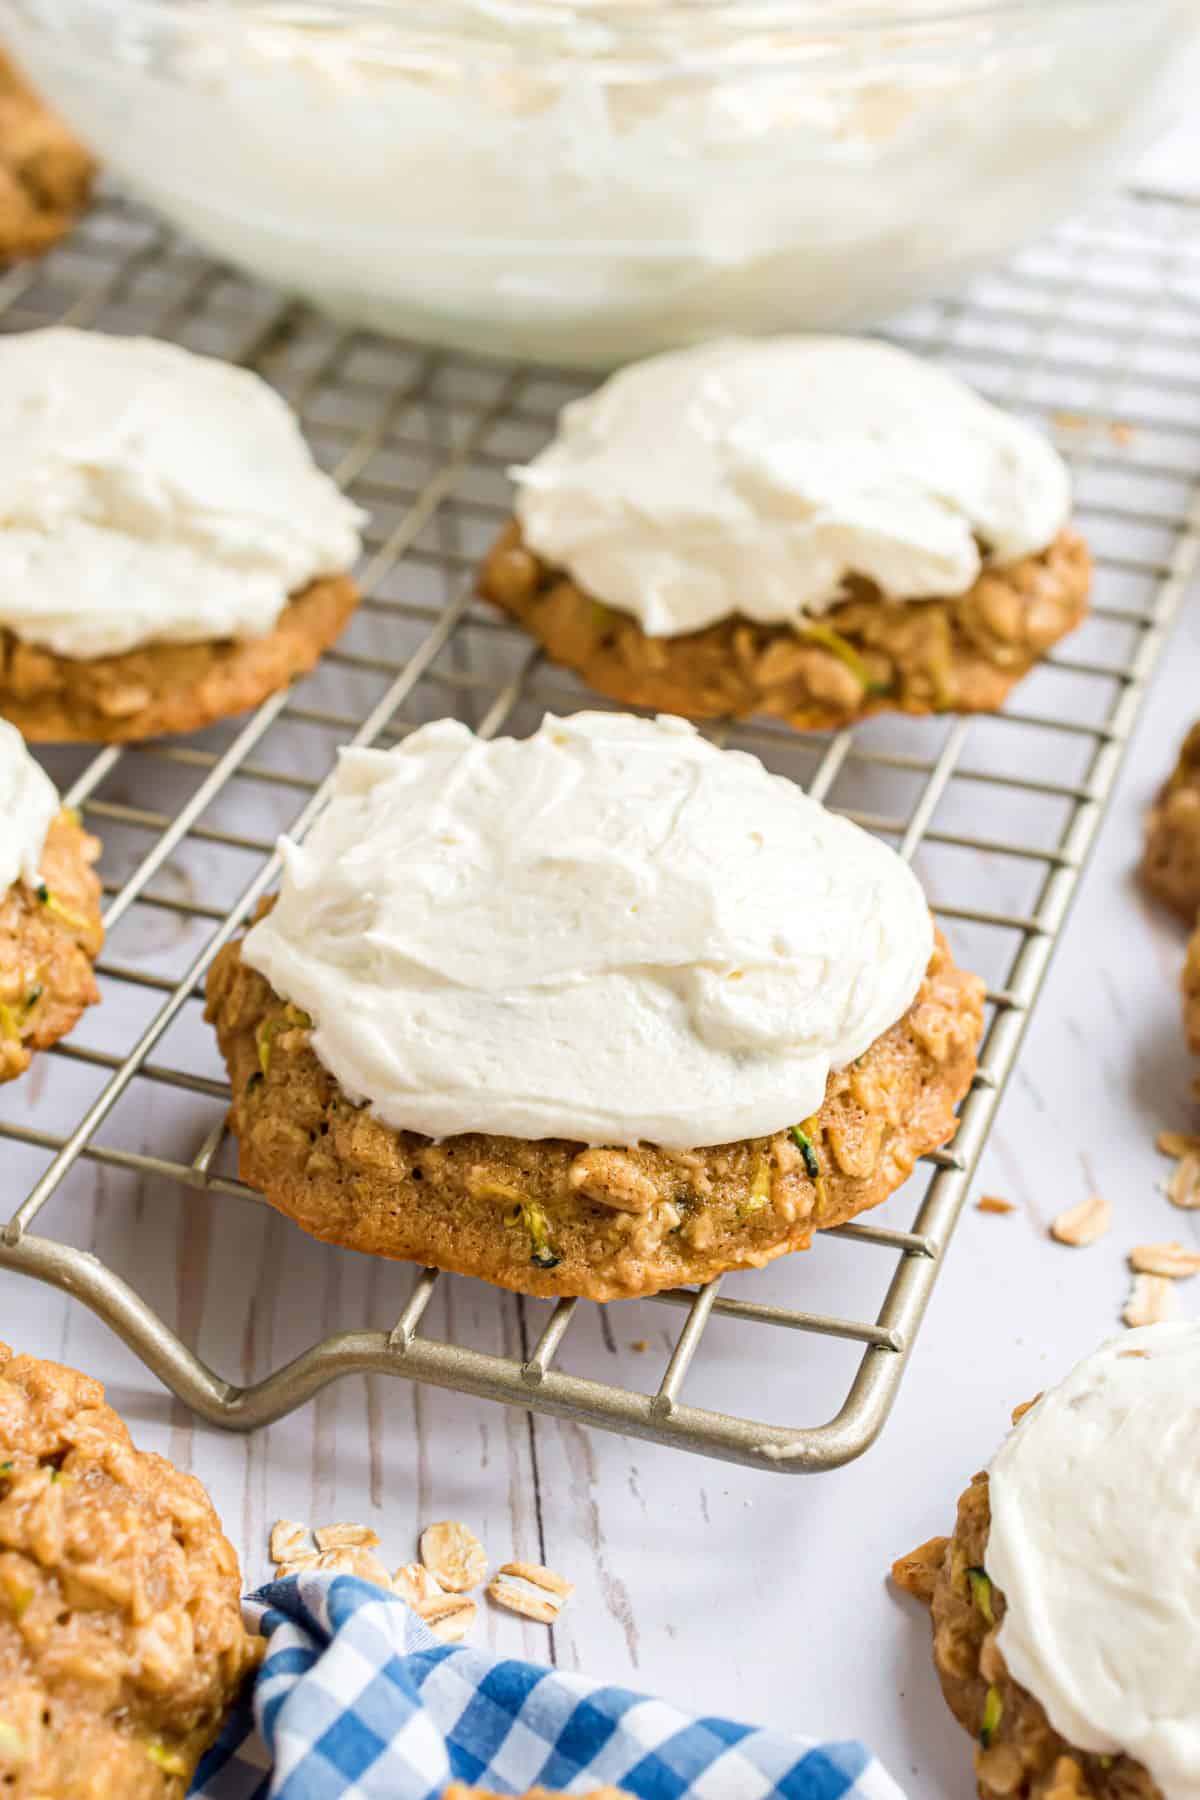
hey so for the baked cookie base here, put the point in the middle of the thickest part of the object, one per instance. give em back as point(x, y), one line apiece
point(1024, 1758)
point(49, 939)
point(121, 1639)
point(167, 688)
point(45, 174)
point(1171, 865)
point(553, 1217)
point(866, 655)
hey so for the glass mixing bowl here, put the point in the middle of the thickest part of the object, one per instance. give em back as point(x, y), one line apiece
point(587, 181)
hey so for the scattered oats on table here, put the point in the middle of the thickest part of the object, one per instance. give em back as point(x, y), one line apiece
point(1172, 1260)
point(347, 1536)
point(355, 1560)
point(528, 1588)
point(416, 1584)
point(992, 1203)
point(289, 1540)
point(450, 1618)
point(1084, 1224)
point(1152, 1301)
point(1183, 1189)
point(454, 1555)
point(1178, 1144)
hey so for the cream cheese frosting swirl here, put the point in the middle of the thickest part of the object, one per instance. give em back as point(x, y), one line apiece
point(1095, 1542)
point(610, 932)
point(757, 477)
point(149, 495)
point(28, 805)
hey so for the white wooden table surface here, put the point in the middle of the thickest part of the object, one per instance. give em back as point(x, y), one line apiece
point(758, 1595)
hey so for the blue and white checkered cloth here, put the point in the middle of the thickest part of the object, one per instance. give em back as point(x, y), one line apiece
point(357, 1700)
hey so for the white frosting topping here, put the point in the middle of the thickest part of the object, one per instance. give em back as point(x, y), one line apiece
point(149, 495)
point(754, 477)
point(28, 804)
point(611, 931)
point(1095, 1542)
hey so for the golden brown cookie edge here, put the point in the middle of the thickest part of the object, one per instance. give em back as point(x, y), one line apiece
point(56, 940)
point(167, 689)
point(346, 1178)
point(738, 668)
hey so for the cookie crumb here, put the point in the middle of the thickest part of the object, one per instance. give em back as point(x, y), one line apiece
point(992, 1203)
point(640, 1345)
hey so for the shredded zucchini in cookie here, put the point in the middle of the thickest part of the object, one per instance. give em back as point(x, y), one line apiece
point(292, 1018)
point(530, 1214)
point(981, 1593)
point(844, 650)
point(812, 1162)
point(169, 1761)
point(993, 1712)
point(760, 1188)
point(52, 905)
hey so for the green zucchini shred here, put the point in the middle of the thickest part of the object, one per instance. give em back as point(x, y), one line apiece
point(291, 1018)
point(981, 1593)
point(812, 1162)
point(169, 1761)
point(530, 1214)
point(760, 1189)
point(844, 650)
point(46, 898)
point(993, 1712)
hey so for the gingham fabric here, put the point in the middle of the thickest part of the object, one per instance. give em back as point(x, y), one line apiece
point(356, 1700)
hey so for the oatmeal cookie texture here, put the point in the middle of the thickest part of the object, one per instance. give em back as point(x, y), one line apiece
point(121, 1641)
point(1019, 1756)
point(166, 687)
point(552, 1217)
point(866, 655)
point(50, 936)
point(45, 174)
point(1171, 865)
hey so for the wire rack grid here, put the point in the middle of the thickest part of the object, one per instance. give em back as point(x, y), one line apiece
point(1094, 333)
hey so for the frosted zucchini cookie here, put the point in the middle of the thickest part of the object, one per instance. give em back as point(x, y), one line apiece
point(592, 1013)
point(1171, 865)
point(50, 930)
point(121, 1640)
point(815, 528)
point(1065, 1604)
point(169, 551)
point(45, 174)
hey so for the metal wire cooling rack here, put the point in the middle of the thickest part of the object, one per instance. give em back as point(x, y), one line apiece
point(1095, 334)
